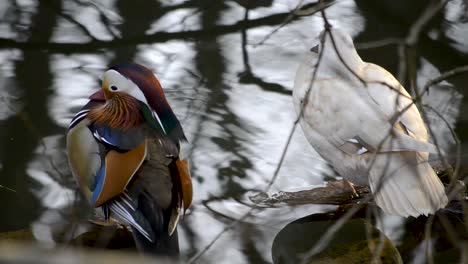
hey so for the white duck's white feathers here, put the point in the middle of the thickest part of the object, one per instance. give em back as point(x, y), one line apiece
point(353, 127)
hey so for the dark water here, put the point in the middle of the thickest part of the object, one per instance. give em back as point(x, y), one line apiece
point(228, 85)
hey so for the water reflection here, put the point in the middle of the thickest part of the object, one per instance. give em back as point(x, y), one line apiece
point(232, 95)
point(351, 244)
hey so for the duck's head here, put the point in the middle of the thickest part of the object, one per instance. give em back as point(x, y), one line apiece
point(338, 48)
point(132, 94)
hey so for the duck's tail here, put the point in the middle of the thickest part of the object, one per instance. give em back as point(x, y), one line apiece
point(403, 183)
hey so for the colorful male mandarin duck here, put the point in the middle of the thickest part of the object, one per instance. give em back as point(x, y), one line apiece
point(361, 120)
point(123, 149)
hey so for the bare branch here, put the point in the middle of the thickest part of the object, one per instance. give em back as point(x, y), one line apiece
point(445, 75)
point(72, 20)
point(427, 236)
point(426, 16)
point(327, 30)
point(379, 43)
point(7, 188)
point(300, 10)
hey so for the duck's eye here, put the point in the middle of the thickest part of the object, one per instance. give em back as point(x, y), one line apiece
point(315, 49)
point(114, 88)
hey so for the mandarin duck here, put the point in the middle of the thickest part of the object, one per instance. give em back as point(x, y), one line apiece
point(351, 117)
point(123, 149)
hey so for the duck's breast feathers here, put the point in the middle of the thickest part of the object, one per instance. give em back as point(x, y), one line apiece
point(122, 111)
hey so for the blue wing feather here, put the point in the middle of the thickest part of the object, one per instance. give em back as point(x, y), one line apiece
point(98, 183)
point(117, 139)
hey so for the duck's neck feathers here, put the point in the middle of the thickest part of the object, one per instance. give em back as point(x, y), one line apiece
point(122, 111)
point(340, 61)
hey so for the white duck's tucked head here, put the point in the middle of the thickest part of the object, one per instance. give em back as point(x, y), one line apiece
point(338, 48)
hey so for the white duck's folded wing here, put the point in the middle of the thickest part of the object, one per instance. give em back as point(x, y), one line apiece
point(402, 181)
point(393, 100)
point(392, 140)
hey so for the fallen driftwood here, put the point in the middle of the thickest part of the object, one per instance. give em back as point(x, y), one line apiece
point(337, 192)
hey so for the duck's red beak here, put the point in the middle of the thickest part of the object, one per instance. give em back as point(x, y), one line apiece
point(98, 96)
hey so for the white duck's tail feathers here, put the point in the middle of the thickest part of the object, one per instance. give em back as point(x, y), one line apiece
point(404, 184)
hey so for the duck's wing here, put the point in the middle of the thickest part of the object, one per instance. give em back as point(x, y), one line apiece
point(103, 160)
point(159, 193)
point(350, 119)
point(392, 121)
point(393, 100)
point(402, 180)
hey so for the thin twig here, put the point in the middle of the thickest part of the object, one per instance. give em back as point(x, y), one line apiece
point(82, 27)
point(331, 231)
point(377, 252)
point(327, 30)
point(445, 75)
point(273, 178)
point(72, 20)
point(379, 43)
point(411, 41)
point(328, 236)
point(355, 74)
point(427, 237)
point(299, 10)
point(401, 74)
point(7, 188)
point(421, 22)
point(219, 235)
point(454, 192)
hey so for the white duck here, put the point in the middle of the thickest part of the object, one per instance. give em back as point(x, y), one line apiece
point(351, 126)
